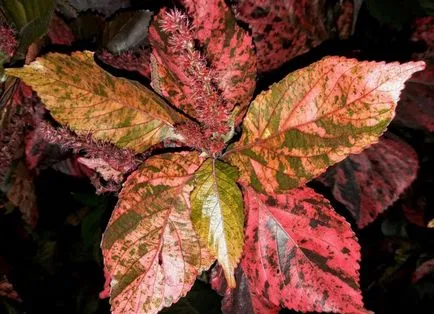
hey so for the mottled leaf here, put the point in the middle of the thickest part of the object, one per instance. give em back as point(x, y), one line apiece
point(228, 48)
point(81, 95)
point(416, 107)
point(150, 248)
point(300, 254)
point(314, 118)
point(370, 182)
point(284, 29)
point(241, 299)
point(217, 213)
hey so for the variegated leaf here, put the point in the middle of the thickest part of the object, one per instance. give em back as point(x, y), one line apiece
point(228, 48)
point(300, 254)
point(80, 94)
point(369, 182)
point(150, 248)
point(217, 213)
point(314, 118)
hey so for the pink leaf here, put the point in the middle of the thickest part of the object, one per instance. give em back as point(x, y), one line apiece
point(284, 29)
point(370, 182)
point(300, 254)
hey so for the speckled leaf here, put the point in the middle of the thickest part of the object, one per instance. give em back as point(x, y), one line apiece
point(314, 118)
point(227, 47)
point(242, 299)
point(416, 107)
point(370, 182)
point(300, 254)
point(217, 213)
point(150, 248)
point(284, 29)
point(81, 95)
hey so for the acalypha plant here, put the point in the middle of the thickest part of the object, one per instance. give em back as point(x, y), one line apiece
point(232, 195)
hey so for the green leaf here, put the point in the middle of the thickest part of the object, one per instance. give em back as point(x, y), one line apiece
point(217, 213)
point(31, 18)
point(314, 118)
point(83, 96)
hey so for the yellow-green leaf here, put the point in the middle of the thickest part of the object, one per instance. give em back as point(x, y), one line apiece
point(150, 248)
point(314, 118)
point(83, 96)
point(217, 213)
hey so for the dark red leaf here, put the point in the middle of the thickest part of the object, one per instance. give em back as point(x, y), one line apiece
point(284, 29)
point(416, 107)
point(370, 182)
point(59, 32)
point(242, 299)
point(135, 60)
point(300, 254)
point(423, 270)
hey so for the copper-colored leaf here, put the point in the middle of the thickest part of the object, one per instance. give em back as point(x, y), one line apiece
point(314, 118)
point(217, 213)
point(368, 183)
point(81, 95)
point(150, 248)
point(300, 254)
point(284, 29)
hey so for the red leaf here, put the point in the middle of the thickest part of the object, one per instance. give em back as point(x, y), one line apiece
point(284, 29)
point(300, 254)
point(416, 108)
point(423, 270)
point(59, 32)
point(135, 60)
point(242, 299)
point(370, 182)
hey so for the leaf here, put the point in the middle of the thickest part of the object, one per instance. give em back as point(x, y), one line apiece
point(217, 213)
point(150, 248)
point(18, 113)
point(314, 118)
point(7, 290)
point(242, 299)
point(127, 30)
point(368, 183)
point(86, 98)
point(228, 48)
point(59, 32)
point(71, 8)
point(300, 254)
point(426, 268)
point(284, 29)
point(416, 107)
point(31, 18)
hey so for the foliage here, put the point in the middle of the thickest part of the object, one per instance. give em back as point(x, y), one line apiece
point(211, 171)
